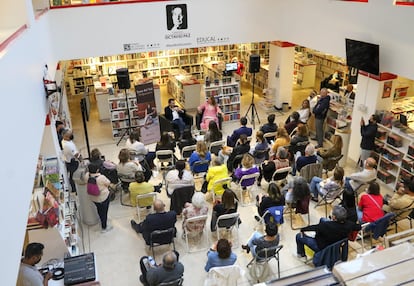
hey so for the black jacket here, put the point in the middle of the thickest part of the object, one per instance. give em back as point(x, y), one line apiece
point(169, 113)
point(368, 133)
point(321, 108)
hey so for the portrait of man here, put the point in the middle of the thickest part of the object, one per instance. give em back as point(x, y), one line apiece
point(176, 17)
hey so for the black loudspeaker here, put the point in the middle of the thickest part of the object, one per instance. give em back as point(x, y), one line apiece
point(122, 76)
point(254, 64)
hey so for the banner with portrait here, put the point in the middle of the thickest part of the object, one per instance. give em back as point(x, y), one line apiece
point(145, 115)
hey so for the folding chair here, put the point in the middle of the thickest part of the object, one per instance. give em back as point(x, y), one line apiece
point(216, 146)
point(204, 165)
point(273, 214)
point(250, 180)
point(328, 256)
point(375, 229)
point(229, 222)
point(280, 175)
point(401, 215)
point(176, 282)
point(225, 181)
point(164, 156)
point(331, 163)
point(162, 237)
point(329, 198)
point(124, 183)
point(260, 156)
point(259, 265)
point(224, 276)
point(359, 190)
point(300, 207)
point(143, 203)
point(294, 131)
point(311, 170)
point(270, 136)
point(187, 151)
point(195, 227)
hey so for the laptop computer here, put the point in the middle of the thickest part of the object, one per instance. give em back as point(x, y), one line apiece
point(79, 269)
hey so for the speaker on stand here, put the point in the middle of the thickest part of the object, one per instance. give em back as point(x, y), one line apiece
point(122, 75)
point(254, 67)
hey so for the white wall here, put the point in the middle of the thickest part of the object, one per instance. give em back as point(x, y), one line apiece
point(97, 31)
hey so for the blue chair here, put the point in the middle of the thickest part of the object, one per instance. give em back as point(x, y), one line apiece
point(375, 229)
point(328, 256)
point(274, 214)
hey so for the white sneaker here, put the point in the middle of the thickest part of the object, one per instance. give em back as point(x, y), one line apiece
point(108, 228)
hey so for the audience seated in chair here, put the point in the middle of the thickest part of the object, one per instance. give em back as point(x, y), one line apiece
point(368, 174)
point(298, 141)
point(402, 202)
point(243, 130)
point(304, 111)
point(292, 122)
point(296, 190)
point(227, 205)
point(178, 177)
point(140, 187)
point(268, 168)
point(186, 140)
point(160, 220)
point(302, 161)
point(180, 197)
point(175, 115)
point(258, 241)
point(106, 168)
point(270, 126)
point(247, 168)
point(220, 254)
point(335, 151)
point(282, 139)
point(327, 232)
point(261, 149)
point(213, 134)
point(197, 207)
point(200, 154)
point(272, 198)
point(217, 171)
point(209, 110)
point(240, 149)
point(127, 168)
point(134, 144)
point(170, 270)
point(330, 186)
point(370, 204)
point(348, 202)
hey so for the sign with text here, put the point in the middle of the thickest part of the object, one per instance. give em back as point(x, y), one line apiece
point(145, 114)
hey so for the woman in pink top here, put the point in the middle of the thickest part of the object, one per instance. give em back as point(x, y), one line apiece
point(210, 109)
point(370, 204)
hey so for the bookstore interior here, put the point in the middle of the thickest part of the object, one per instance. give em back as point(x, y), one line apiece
point(189, 76)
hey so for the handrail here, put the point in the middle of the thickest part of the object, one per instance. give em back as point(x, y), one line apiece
point(103, 3)
point(13, 36)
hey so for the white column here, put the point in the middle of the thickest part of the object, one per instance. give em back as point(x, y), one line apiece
point(281, 60)
point(368, 99)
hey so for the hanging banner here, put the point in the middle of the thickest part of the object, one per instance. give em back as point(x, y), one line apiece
point(145, 114)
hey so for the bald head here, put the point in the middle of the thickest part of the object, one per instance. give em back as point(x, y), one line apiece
point(159, 206)
point(323, 92)
point(370, 163)
point(169, 260)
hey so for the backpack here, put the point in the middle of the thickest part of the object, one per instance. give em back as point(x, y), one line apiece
point(92, 187)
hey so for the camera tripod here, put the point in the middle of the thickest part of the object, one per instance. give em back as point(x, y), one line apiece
point(128, 129)
point(252, 106)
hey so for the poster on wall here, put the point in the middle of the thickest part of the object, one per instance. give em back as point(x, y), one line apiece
point(145, 114)
point(387, 89)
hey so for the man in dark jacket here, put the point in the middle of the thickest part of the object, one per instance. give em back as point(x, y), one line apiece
point(240, 149)
point(327, 232)
point(175, 115)
point(368, 133)
point(320, 111)
point(231, 140)
point(170, 269)
point(270, 126)
point(160, 220)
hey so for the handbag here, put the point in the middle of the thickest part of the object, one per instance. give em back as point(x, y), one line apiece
point(204, 187)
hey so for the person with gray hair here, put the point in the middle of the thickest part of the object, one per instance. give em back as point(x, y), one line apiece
point(309, 158)
point(327, 232)
point(268, 168)
point(197, 207)
point(170, 269)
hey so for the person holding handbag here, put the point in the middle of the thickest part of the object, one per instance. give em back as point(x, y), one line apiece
point(101, 200)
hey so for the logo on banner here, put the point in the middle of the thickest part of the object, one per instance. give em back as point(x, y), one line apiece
point(176, 17)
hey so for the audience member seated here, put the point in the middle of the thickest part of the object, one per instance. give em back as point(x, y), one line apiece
point(336, 150)
point(260, 147)
point(165, 143)
point(243, 130)
point(178, 177)
point(140, 187)
point(127, 168)
point(217, 171)
point(402, 199)
point(242, 148)
point(304, 111)
point(318, 186)
point(296, 190)
point(210, 110)
point(333, 82)
point(106, 168)
point(348, 202)
point(370, 204)
point(353, 181)
point(292, 122)
point(170, 269)
point(302, 135)
point(268, 168)
point(282, 139)
point(327, 232)
point(200, 154)
point(213, 134)
point(225, 153)
point(141, 151)
point(270, 126)
point(247, 168)
point(227, 205)
point(273, 198)
point(175, 115)
point(220, 254)
point(197, 207)
point(309, 158)
point(257, 241)
point(186, 140)
point(349, 92)
point(160, 220)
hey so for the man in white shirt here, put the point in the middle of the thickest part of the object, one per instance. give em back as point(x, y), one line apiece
point(29, 275)
point(71, 155)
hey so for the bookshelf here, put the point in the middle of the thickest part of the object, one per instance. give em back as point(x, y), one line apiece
point(304, 71)
point(184, 88)
point(226, 91)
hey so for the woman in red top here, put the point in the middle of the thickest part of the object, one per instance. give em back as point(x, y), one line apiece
point(370, 204)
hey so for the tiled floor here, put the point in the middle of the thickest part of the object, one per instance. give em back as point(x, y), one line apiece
point(118, 251)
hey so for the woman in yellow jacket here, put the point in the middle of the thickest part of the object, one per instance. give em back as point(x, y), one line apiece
point(217, 171)
point(282, 139)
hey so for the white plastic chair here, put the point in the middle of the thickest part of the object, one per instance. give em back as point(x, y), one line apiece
point(192, 228)
point(140, 207)
point(248, 188)
point(216, 146)
point(228, 222)
point(224, 276)
point(187, 151)
point(218, 183)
